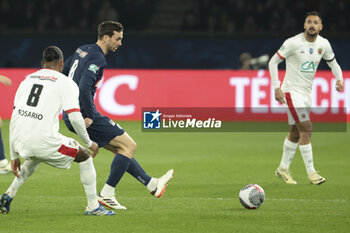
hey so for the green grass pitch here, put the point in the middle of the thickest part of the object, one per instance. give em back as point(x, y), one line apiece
point(210, 169)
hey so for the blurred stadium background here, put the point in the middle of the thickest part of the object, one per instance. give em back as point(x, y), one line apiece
point(171, 34)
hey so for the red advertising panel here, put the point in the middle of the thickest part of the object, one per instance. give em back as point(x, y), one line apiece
point(123, 93)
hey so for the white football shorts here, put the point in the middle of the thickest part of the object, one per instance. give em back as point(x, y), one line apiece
point(298, 107)
point(61, 157)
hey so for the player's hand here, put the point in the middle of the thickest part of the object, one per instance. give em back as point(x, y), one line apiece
point(88, 122)
point(339, 86)
point(279, 95)
point(16, 167)
point(94, 148)
point(5, 80)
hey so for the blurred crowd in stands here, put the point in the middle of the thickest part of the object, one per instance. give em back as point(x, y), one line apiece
point(263, 16)
point(51, 15)
point(202, 15)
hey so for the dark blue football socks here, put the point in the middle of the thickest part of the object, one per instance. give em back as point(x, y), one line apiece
point(119, 165)
point(137, 171)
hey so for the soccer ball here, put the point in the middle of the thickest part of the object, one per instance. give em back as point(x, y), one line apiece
point(251, 196)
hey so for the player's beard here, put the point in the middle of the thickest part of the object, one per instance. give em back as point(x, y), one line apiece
point(112, 49)
point(311, 35)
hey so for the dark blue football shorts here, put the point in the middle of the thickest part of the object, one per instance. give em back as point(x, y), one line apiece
point(101, 131)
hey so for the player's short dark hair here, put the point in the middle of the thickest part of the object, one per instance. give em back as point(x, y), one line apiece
point(315, 13)
point(108, 28)
point(52, 53)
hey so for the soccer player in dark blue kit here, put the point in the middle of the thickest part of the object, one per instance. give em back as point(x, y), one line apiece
point(86, 67)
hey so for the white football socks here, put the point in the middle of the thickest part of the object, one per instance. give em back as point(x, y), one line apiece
point(88, 179)
point(27, 169)
point(306, 153)
point(3, 162)
point(107, 190)
point(152, 184)
point(289, 149)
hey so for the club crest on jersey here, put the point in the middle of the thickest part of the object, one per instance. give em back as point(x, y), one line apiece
point(319, 51)
point(311, 50)
point(94, 68)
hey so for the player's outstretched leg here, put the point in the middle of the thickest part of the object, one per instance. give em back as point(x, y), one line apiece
point(137, 172)
point(27, 169)
point(155, 185)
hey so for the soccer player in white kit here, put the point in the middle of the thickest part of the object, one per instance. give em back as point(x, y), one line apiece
point(302, 53)
point(34, 129)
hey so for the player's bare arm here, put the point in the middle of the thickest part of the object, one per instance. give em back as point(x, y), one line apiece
point(88, 122)
point(16, 166)
point(273, 68)
point(339, 86)
point(94, 148)
point(337, 72)
point(279, 95)
point(5, 80)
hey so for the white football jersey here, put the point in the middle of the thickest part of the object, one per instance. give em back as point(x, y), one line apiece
point(38, 102)
point(302, 59)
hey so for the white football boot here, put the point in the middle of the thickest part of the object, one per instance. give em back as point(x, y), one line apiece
point(315, 178)
point(162, 183)
point(110, 202)
point(99, 211)
point(285, 175)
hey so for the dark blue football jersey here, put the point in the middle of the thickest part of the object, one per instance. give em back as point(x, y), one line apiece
point(86, 67)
